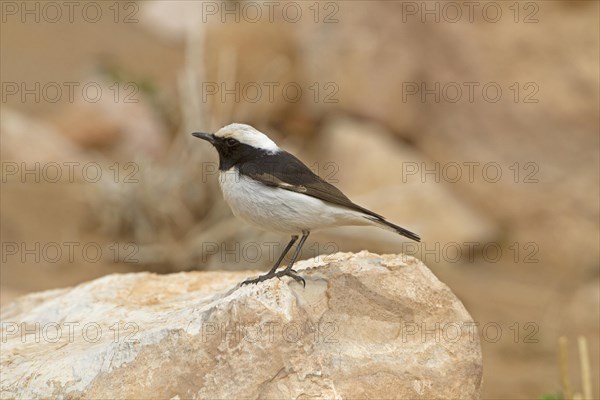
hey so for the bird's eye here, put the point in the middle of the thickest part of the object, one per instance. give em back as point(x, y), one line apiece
point(231, 142)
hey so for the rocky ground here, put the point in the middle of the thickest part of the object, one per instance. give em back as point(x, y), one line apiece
point(364, 325)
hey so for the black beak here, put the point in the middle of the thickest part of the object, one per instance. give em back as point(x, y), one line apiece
point(205, 136)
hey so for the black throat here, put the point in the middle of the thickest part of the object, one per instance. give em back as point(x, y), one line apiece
point(236, 154)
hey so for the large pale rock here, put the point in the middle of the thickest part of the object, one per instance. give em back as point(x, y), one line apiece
point(365, 326)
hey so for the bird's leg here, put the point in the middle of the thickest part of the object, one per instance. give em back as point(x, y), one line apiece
point(271, 273)
point(288, 270)
point(285, 251)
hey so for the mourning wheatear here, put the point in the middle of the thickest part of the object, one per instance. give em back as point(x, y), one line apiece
point(270, 188)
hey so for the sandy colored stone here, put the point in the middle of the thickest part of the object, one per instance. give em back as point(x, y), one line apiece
point(353, 332)
point(120, 124)
point(27, 141)
point(383, 174)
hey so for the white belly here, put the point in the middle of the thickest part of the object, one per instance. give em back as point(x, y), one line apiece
point(281, 210)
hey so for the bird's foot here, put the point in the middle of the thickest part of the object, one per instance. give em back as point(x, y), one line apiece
point(261, 278)
point(291, 273)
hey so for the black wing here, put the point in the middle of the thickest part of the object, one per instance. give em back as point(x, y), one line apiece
point(285, 171)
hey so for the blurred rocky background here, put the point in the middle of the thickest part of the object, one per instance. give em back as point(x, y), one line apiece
point(475, 125)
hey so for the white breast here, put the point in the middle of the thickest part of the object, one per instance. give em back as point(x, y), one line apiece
point(281, 210)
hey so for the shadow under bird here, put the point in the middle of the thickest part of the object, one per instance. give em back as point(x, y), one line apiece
point(270, 188)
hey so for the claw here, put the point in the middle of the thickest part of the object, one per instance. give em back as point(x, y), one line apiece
point(257, 280)
point(291, 273)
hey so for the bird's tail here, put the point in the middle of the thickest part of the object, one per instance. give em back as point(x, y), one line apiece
point(382, 223)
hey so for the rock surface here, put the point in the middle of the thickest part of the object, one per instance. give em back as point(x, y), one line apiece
point(365, 326)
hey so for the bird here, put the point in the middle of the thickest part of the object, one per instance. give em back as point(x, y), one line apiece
point(270, 188)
